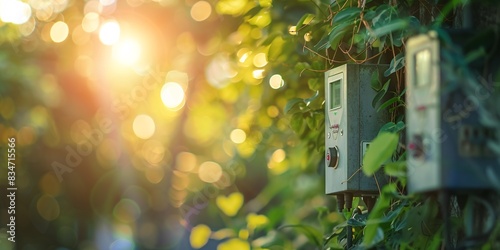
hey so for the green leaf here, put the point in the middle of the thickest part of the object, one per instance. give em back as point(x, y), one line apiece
point(356, 223)
point(300, 66)
point(371, 231)
point(398, 24)
point(305, 20)
point(397, 63)
point(377, 237)
point(323, 43)
point(315, 84)
point(313, 235)
point(392, 127)
point(346, 14)
point(388, 103)
point(379, 152)
point(397, 169)
point(312, 98)
point(375, 81)
point(297, 123)
point(381, 93)
point(293, 106)
point(338, 33)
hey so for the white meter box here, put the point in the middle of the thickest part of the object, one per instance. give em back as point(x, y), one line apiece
point(447, 145)
point(351, 124)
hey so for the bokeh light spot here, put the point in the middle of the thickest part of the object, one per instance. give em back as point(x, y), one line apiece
point(107, 2)
point(186, 161)
point(14, 11)
point(59, 32)
point(258, 74)
point(109, 33)
point(238, 136)
point(48, 207)
point(273, 111)
point(153, 152)
point(260, 60)
point(155, 175)
point(49, 184)
point(276, 81)
point(210, 172)
point(144, 126)
point(90, 22)
point(279, 155)
point(172, 95)
point(199, 236)
point(201, 10)
point(126, 211)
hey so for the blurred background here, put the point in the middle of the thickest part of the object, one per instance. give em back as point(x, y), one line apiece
point(159, 124)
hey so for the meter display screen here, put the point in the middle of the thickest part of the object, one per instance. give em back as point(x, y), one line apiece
point(335, 94)
point(423, 68)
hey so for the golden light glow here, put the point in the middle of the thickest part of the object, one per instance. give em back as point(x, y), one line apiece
point(79, 35)
point(201, 11)
point(144, 126)
point(186, 43)
point(210, 172)
point(127, 52)
point(90, 22)
point(59, 32)
point(260, 60)
point(238, 136)
point(109, 33)
point(276, 81)
point(292, 30)
point(14, 11)
point(172, 95)
point(83, 65)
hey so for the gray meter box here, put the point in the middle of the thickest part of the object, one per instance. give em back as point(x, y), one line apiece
point(351, 123)
point(447, 145)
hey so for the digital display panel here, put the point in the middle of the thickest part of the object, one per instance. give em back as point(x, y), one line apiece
point(423, 68)
point(335, 94)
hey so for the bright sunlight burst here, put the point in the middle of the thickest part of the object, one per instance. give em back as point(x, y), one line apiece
point(127, 51)
point(109, 33)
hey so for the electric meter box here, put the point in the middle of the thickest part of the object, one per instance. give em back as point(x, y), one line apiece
point(446, 144)
point(351, 123)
